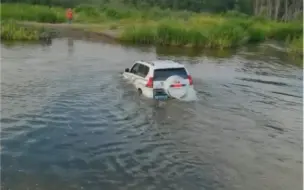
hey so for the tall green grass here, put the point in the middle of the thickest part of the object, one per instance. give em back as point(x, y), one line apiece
point(119, 11)
point(164, 27)
point(295, 45)
point(11, 31)
point(220, 34)
point(26, 12)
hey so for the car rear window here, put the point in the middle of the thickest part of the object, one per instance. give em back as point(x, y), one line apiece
point(163, 74)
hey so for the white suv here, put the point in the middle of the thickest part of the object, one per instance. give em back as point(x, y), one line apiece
point(160, 79)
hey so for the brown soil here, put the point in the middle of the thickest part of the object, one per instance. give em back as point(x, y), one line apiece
point(86, 31)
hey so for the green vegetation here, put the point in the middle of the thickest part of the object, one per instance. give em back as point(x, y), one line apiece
point(164, 26)
point(271, 9)
point(295, 46)
point(26, 12)
point(186, 28)
point(11, 31)
point(12, 13)
point(185, 33)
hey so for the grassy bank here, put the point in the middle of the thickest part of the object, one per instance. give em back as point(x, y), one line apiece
point(210, 32)
point(295, 46)
point(164, 27)
point(26, 12)
point(11, 31)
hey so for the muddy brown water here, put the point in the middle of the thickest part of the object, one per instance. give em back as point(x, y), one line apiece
point(69, 121)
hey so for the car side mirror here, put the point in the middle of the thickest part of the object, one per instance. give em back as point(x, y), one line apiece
point(127, 70)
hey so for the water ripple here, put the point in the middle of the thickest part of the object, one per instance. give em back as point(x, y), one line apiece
point(70, 121)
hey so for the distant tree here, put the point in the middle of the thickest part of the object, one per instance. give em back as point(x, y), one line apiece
point(285, 10)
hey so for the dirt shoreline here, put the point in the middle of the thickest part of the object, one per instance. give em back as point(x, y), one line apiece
point(77, 30)
point(96, 32)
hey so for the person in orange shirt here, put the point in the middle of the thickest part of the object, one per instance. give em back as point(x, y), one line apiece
point(69, 15)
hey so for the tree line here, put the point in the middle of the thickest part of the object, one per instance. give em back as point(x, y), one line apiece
point(284, 10)
point(279, 9)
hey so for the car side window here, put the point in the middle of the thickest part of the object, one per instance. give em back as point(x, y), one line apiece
point(135, 68)
point(143, 70)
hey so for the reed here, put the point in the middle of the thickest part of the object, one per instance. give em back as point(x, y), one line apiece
point(212, 32)
point(11, 31)
point(174, 33)
point(295, 45)
point(26, 12)
point(163, 27)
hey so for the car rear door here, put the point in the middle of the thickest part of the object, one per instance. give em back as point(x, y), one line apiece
point(140, 77)
point(161, 75)
point(132, 74)
point(173, 81)
point(137, 75)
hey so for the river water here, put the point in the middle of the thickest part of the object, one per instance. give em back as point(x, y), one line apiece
point(69, 121)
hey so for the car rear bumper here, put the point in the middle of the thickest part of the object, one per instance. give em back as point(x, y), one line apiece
point(160, 94)
point(150, 92)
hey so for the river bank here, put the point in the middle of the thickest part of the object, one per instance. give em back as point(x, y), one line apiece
point(160, 27)
point(77, 29)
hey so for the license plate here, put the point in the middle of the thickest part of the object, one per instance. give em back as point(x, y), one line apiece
point(159, 94)
point(160, 97)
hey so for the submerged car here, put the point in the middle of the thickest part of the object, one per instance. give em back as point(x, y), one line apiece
point(160, 79)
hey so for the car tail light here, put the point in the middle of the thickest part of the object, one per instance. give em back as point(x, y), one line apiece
point(150, 83)
point(190, 80)
point(177, 85)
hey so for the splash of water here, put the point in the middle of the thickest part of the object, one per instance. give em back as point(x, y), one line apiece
point(191, 96)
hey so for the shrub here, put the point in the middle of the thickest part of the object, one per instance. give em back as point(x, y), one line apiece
point(295, 45)
point(280, 31)
point(32, 13)
point(143, 34)
point(11, 31)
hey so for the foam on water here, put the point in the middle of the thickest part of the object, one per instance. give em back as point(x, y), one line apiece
point(191, 96)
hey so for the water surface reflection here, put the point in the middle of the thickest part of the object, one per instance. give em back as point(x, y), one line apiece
point(69, 120)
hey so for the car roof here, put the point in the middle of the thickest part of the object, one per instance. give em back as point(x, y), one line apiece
point(163, 64)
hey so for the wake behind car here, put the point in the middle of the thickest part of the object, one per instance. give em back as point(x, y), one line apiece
point(160, 79)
